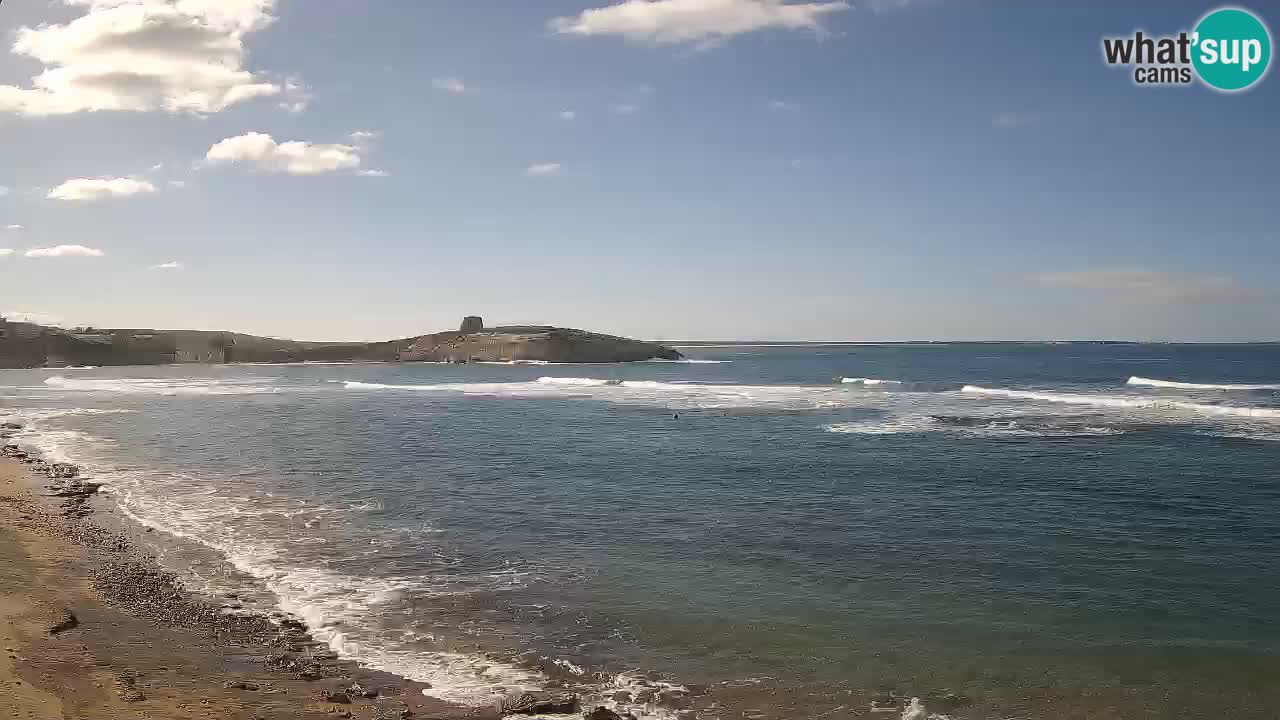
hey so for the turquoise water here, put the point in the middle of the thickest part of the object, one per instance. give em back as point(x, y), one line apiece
point(1023, 525)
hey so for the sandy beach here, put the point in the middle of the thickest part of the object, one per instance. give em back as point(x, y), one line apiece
point(91, 628)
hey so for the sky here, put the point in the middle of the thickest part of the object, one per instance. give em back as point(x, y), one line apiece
point(666, 169)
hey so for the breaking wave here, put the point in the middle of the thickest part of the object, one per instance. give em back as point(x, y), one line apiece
point(654, 393)
point(973, 426)
point(1125, 402)
point(156, 386)
point(1150, 382)
point(577, 381)
point(870, 382)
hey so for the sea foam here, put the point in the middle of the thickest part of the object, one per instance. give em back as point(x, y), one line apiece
point(156, 386)
point(1151, 382)
point(1126, 402)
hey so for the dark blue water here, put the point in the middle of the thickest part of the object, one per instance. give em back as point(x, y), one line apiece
point(1019, 524)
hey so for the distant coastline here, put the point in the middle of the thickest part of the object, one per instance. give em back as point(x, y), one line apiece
point(28, 345)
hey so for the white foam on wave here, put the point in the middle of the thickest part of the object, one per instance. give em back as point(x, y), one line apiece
point(156, 386)
point(576, 381)
point(673, 395)
point(1126, 402)
point(916, 710)
point(1151, 382)
point(991, 428)
point(689, 361)
point(870, 382)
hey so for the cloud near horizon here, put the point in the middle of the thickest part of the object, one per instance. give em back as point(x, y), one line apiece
point(141, 56)
point(4, 252)
point(94, 189)
point(1151, 286)
point(453, 85)
point(64, 251)
point(695, 21)
point(294, 158)
point(175, 265)
point(543, 170)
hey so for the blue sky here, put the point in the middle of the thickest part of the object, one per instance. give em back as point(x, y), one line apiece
point(727, 169)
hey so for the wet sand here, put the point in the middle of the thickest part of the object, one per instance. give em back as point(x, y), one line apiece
point(91, 628)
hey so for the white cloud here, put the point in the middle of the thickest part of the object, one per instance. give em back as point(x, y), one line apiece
point(1151, 286)
point(543, 170)
point(93, 189)
point(296, 97)
point(175, 265)
point(64, 251)
point(373, 173)
point(3, 190)
point(625, 109)
point(157, 167)
point(179, 184)
point(295, 158)
point(6, 251)
point(568, 115)
point(15, 227)
point(450, 84)
point(142, 55)
point(778, 105)
point(700, 21)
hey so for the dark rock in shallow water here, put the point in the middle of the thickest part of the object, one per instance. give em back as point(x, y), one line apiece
point(240, 685)
point(63, 620)
point(604, 713)
point(62, 471)
point(532, 703)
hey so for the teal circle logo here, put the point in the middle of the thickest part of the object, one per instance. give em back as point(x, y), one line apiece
point(1232, 49)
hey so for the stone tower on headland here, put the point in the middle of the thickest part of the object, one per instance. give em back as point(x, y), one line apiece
point(471, 324)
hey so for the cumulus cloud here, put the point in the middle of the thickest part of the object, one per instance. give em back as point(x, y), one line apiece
point(14, 227)
point(64, 251)
point(5, 252)
point(697, 21)
point(294, 158)
point(450, 84)
point(93, 189)
point(625, 109)
point(142, 55)
point(4, 190)
point(1151, 286)
point(543, 170)
point(175, 265)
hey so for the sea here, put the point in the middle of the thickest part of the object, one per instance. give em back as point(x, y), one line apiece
point(969, 531)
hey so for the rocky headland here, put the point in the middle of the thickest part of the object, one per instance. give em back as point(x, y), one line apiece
point(27, 345)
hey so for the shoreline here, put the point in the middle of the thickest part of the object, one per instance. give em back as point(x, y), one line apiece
point(92, 627)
